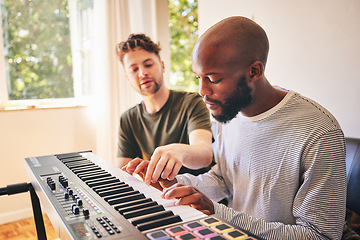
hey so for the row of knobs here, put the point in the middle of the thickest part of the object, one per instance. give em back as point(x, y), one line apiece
point(75, 208)
point(51, 183)
point(63, 181)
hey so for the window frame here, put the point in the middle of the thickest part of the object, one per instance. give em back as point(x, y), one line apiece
point(78, 100)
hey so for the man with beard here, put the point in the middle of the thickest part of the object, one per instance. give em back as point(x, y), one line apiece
point(280, 156)
point(170, 128)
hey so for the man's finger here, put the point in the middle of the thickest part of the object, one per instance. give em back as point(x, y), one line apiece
point(169, 168)
point(177, 191)
point(175, 171)
point(130, 166)
point(162, 163)
point(141, 168)
point(152, 165)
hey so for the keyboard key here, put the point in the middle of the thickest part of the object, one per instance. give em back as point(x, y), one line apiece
point(159, 223)
point(151, 217)
point(137, 207)
point(141, 212)
point(131, 203)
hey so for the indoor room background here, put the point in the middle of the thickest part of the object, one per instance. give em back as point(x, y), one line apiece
point(314, 50)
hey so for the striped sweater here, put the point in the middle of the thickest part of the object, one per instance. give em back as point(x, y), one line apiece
point(283, 171)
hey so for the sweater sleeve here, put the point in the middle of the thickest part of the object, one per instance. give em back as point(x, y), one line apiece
point(210, 183)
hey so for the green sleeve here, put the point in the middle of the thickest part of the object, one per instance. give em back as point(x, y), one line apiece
point(127, 144)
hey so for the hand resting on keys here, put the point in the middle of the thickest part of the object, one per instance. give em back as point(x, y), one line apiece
point(185, 195)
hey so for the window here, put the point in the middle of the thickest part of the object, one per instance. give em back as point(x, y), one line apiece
point(184, 34)
point(46, 47)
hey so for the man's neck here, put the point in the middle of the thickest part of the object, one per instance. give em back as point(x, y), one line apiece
point(265, 99)
point(153, 103)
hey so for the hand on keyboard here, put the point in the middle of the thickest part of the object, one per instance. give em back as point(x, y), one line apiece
point(188, 195)
point(166, 162)
point(140, 167)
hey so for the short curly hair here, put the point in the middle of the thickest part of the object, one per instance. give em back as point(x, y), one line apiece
point(134, 41)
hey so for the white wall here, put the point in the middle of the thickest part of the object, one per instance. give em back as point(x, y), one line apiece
point(30, 133)
point(314, 48)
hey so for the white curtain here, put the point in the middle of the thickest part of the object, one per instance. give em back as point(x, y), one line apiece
point(115, 20)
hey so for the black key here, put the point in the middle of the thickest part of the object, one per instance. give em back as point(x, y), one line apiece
point(151, 217)
point(73, 166)
point(137, 207)
point(142, 212)
point(108, 186)
point(68, 155)
point(91, 173)
point(114, 191)
point(120, 195)
point(126, 199)
point(115, 180)
point(79, 161)
point(95, 176)
point(99, 180)
point(85, 169)
point(159, 223)
point(74, 159)
point(129, 204)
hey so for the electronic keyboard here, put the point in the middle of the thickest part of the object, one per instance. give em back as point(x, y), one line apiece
point(86, 197)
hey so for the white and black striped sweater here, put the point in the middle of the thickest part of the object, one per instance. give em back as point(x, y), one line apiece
point(284, 171)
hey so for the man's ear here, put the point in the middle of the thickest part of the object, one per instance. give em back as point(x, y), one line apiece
point(163, 66)
point(256, 70)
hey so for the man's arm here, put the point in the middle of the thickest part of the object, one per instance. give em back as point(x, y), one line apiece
point(166, 161)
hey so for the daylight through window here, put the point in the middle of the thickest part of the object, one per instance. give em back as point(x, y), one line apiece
point(183, 36)
point(45, 47)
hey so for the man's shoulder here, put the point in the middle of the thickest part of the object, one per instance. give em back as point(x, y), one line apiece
point(132, 112)
point(184, 96)
point(314, 110)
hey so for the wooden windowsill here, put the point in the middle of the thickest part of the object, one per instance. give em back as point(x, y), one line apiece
point(40, 107)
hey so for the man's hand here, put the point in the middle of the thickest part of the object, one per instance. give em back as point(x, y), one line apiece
point(137, 165)
point(165, 162)
point(187, 195)
point(140, 166)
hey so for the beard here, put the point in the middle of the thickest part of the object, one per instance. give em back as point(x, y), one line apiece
point(238, 100)
point(152, 90)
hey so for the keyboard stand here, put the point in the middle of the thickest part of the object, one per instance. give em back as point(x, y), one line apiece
point(38, 218)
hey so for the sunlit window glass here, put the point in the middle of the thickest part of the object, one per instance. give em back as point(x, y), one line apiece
point(37, 49)
point(184, 33)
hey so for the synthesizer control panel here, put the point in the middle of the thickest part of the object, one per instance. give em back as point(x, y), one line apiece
point(73, 209)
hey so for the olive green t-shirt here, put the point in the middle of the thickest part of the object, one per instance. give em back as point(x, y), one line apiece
point(140, 133)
